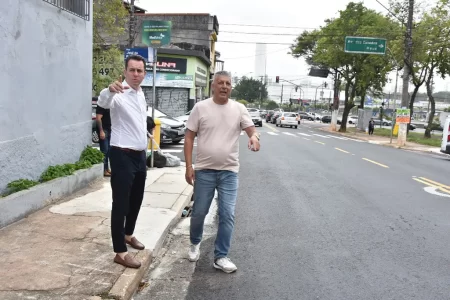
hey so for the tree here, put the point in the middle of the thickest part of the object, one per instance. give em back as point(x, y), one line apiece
point(437, 48)
point(109, 21)
point(271, 105)
point(243, 102)
point(249, 89)
point(359, 72)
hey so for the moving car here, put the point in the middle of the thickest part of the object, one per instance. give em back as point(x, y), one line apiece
point(172, 130)
point(287, 119)
point(352, 120)
point(445, 145)
point(256, 116)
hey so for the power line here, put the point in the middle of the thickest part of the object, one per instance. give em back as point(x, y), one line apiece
point(279, 50)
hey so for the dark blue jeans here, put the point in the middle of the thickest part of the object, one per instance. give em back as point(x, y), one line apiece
point(104, 147)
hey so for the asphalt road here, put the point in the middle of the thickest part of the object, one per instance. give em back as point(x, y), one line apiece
point(320, 216)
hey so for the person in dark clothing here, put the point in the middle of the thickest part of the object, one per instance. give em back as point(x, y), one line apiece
point(371, 126)
point(104, 132)
point(150, 125)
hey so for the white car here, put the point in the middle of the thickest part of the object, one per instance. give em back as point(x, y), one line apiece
point(352, 120)
point(288, 119)
point(445, 145)
point(255, 114)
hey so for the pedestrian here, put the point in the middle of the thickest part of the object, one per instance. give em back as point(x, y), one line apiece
point(127, 155)
point(371, 126)
point(103, 119)
point(217, 122)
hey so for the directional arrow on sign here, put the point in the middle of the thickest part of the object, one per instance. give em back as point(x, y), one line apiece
point(381, 46)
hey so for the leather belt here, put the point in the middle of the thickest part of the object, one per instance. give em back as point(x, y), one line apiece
point(127, 149)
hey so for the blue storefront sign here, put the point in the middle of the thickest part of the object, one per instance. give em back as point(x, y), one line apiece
point(144, 52)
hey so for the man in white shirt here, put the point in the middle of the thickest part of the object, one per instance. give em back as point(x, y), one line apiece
point(128, 110)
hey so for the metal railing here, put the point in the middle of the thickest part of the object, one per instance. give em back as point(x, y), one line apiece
point(79, 8)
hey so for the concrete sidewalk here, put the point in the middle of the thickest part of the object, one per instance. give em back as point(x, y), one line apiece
point(65, 251)
point(385, 141)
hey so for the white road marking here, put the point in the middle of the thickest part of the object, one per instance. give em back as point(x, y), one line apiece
point(172, 150)
point(432, 190)
point(272, 133)
point(288, 133)
point(304, 134)
point(337, 137)
point(322, 136)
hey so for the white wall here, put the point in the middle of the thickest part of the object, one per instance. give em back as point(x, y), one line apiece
point(46, 83)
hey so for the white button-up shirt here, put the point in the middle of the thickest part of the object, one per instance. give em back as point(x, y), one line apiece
point(128, 117)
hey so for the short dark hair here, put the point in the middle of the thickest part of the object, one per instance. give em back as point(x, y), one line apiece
point(135, 57)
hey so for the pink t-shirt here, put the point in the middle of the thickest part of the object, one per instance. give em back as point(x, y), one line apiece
point(218, 128)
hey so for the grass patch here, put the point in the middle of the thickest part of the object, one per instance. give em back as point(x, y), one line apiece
point(413, 137)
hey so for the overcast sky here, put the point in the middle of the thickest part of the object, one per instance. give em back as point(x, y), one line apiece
point(240, 57)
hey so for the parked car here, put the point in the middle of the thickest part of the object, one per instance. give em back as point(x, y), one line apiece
point(445, 145)
point(255, 115)
point(184, 117)
point(326, 119)
point(172, 130)
point(287, 119)
point(383, 123)
point(352, 120)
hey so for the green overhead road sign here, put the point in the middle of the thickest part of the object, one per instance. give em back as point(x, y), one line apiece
point(365, 45)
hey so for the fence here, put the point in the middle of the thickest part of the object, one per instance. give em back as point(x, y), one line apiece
point(79, 8)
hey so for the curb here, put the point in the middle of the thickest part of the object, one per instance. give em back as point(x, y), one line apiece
point(128, 282)
point(388, 145)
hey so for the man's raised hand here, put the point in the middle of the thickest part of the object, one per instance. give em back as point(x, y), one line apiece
point(117, 87)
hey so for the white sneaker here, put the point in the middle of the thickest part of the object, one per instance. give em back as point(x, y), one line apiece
point(194, 252)
point(225, 264)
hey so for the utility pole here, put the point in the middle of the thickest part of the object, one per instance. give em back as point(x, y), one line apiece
point(403, 128)
point(132, 26)
point(281, 102)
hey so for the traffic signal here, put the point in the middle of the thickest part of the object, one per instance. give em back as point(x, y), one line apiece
point(296, 88)
point(325, 84)
point(277, 79)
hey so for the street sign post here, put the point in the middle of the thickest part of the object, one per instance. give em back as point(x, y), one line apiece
point(155, 34)
point(403, 116)
point(365, 45)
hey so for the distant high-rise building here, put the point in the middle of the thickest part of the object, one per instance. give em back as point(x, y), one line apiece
point(260, 61)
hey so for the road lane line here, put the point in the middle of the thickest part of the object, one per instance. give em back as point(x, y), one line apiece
point(441, 186)
point(322, 136)
point(288, 133)
point(436, 183)
point(172, 151)
point(319, 142)
point(270, 127)
point(305, 134)
point(374, 162)
point(338, 149)
point(337, 137)
point(272, 133)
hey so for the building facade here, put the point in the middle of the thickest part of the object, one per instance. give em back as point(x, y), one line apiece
point(46, 80)
point(181, 80)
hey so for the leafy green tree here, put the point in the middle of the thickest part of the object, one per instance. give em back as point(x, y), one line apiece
point(243, 102)
point(359, 72)
point(437, 48)
point(109, 21)
point(249, 89)
point(271, 105)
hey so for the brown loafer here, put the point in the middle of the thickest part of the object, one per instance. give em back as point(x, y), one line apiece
point(135, 244)
point(128, 261)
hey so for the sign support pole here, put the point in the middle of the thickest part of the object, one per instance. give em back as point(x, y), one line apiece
point(155, 59)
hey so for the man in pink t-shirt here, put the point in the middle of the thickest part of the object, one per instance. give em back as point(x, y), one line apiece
point(217, 122)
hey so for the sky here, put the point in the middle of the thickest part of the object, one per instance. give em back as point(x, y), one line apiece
point(274, 14)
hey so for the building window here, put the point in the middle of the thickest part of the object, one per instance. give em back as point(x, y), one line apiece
point(79, 8)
